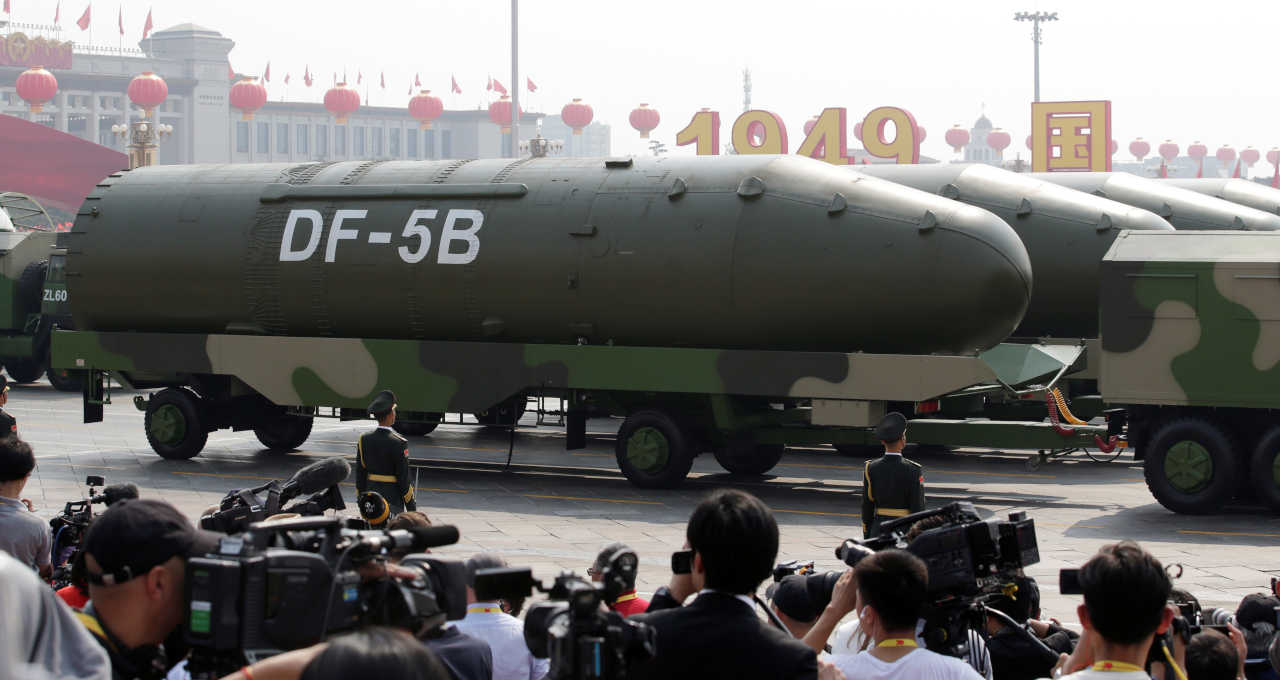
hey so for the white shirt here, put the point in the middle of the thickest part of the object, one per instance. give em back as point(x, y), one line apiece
point(849, 639)
point(512, 659)
point(1090, 674)
point(745, 598)
point(920, 664)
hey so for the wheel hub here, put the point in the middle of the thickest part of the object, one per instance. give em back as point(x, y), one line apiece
point(1188, 466)
point(168, 426)
point(648, 449)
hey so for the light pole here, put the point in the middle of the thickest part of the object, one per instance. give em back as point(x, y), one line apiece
point(1035, 18)
point(143, 136)
point(515, 75)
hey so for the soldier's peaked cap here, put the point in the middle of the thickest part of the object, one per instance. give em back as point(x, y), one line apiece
point(383, 403)
point(891, 427)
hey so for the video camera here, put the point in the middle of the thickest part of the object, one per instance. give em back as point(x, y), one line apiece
point(569, 628)
point(242, 507)
point(970, 560)
point(70, 525)
point(289, 583)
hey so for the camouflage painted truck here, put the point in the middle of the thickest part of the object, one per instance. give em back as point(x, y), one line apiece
point(1191, 353)
point(730, 304)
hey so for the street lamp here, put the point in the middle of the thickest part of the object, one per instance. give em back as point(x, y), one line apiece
point(1035, 18)
point(143, 137)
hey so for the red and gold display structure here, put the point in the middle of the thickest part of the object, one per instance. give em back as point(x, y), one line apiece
point(148, 91)
point(1071, 136)
point(887, 132)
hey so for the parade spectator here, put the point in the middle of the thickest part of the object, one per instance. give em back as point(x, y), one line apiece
point(503, 632)
point(40, 638)
point(1212, 656)
point(628, 603)
point(22, 534)
point(1014, 656)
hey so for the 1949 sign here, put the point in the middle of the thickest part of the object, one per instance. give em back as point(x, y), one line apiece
point(762, 132)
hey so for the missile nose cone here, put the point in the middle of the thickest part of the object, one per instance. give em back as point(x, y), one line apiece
point(1260, 221)
point(1137, 218)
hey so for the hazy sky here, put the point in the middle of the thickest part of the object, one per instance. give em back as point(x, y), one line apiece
point(1186, 71)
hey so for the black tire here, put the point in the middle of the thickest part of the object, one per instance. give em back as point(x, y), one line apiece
point(1264, 469)
point(173, 423)
point(30, 288)
point(858, 450)
point(653, 450)
point(24, 370)
point(66, 379)
point(1191, 466)
point(284, 433)
point(748, 458)
point(422, 423)
point(501, 415)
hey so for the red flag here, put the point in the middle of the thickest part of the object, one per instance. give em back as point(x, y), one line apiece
point(57, 12)
point(6, 6)
point(306, 75)
point(146, 28)
point(417, 82)
point(359, 77)
point(530, 85)
point(83, 21)
point(1237, 172)
point(286, 79)
point(382, 77)
point(266, 73)
point(489, 85)
point(120, 19)
point(497, 87)
point(458, 90)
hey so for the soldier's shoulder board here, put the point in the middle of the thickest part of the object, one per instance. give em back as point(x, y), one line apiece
point(396, 436)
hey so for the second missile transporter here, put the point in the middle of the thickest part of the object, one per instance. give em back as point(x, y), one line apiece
point(726, 304)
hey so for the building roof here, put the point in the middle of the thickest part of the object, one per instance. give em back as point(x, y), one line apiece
point(189, 28)
point(982, 123)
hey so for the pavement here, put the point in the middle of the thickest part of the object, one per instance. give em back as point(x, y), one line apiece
point(552, 510)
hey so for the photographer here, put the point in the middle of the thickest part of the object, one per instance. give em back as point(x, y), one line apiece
point(375, 652)
point(504, 633)
point(1256, 616)
point(40, 638)
point(135, 562)
point(22, 534)
point(1013, 656)
point(1126, 594)
point(628, 603)
point(1212, 656)
point(734, 541)
point(893, 594)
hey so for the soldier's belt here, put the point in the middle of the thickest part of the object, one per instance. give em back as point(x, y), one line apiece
point(390, 479)
point(883, 512)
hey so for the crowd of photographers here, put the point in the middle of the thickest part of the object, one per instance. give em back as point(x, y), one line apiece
point(940, 595)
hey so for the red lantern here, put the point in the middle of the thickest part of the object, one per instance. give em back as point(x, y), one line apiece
point(577, 115)
point(1225, 154)
point(1139, 148)
point(500, 113)
point(1112, 147)
point(425, 108)
point(341, 101)
point(998, 139)
point(37, 87)
point(148, 91)
point(1168, 150)
point(920, 134)
point(957, 137)
point(808, 125)
point(857, 130)
point(1250, 156)
point(644, 119)
point(248, 95)
point(1198, 151)
point(1273, 156)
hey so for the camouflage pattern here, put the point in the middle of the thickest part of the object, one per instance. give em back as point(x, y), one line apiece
point(1192, 320)
point(30, 306)
point(1183, 208)
point(734, 252)
point(1066, 233)
point(1234, 190)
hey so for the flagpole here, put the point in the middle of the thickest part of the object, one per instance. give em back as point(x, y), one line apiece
point(515, 79)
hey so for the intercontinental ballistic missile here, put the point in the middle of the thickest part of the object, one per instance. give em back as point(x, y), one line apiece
point(1183, 208)
point(1066, 233)
point(755, 252)
point(1239, 191)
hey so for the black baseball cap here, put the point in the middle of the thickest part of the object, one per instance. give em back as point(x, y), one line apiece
point(803, 597)
point(135, 535)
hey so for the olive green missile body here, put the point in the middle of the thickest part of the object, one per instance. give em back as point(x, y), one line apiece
point(1066, 233)
point(760, 252)
point(1183, 208)
point(1234, 190)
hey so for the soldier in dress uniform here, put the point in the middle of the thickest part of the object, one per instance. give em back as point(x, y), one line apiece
point(8, 424)
point(892, 486)
point(382, 458)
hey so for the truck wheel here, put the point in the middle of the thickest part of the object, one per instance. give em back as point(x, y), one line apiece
point(65, 379)
point(748, 458)
point(284, 433)
point(422, 423)
point(502, 414)
point(31, 287)
point(858, 450)
point(24, 370)
point(174, 427)
point(1191, 466)
point(1264, 469)
point(653, 451)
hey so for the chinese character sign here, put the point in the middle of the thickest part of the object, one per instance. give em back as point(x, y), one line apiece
point(1071, 136)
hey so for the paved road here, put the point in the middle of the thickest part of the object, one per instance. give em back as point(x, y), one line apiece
point(553, 510)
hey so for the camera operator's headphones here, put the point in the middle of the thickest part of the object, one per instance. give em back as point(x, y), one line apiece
point(373, 508)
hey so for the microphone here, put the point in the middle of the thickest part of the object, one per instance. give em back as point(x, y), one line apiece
point(116, 492)
point(413, 539)
point(315, 477)
point(316, 503)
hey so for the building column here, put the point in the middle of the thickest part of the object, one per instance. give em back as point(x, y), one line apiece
point(61, 119)
point(95, 110)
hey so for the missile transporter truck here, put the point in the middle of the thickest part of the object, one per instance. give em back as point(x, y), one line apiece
point(726, 304)
point(1183, 208)
point(1234, 190)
